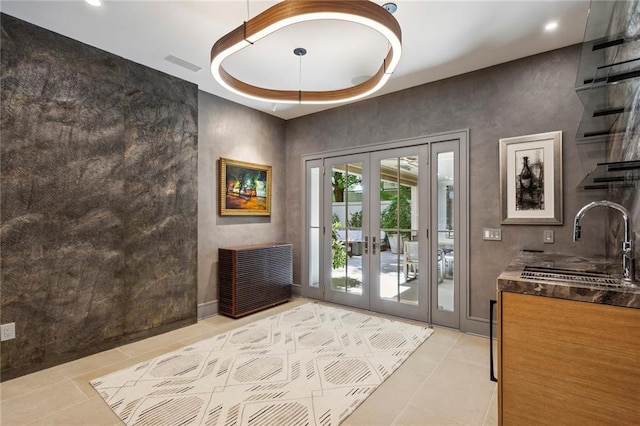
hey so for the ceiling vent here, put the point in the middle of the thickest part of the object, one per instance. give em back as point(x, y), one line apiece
point(183, 63)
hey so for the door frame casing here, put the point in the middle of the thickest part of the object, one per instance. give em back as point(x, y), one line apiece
point(467, 322)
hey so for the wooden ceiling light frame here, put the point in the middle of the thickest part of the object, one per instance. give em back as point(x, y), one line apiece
point(295, 11)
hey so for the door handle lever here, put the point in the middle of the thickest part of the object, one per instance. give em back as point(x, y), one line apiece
point(366, 244)
point(373, 245)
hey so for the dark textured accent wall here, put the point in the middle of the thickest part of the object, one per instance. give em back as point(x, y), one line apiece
point(531, 95)
point(99, 199)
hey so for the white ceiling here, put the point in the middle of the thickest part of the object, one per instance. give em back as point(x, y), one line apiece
point(440, 39)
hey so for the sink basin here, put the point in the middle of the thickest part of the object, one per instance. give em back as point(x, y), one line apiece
point(568, 275)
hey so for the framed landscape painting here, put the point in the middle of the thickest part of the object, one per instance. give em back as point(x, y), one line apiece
point(244, 188)
point(531, 179)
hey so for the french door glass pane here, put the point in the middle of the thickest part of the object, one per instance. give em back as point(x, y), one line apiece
point(399, 214)
point(446, 226)
point(314, 227)
point(346, 234)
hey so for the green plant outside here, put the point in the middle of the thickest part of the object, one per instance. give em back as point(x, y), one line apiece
point(339, 257)
point(390, 218)
point(341, 182)
point(356, 220)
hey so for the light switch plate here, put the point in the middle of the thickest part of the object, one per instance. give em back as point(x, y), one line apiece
point(8, 331)
point(492, 234)
point(548, 236)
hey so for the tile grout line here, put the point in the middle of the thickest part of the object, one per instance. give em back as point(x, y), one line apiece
point(57, 411)
point(425, 380)
point(39, 388)
point(122, 352)
point(78, 387)
point(62, 409)
point(34, 390)
point(69, 376)
point(484, 418)
point(74, 376)
point(486, 414)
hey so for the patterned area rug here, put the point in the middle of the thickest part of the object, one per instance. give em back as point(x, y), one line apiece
point(309, 365)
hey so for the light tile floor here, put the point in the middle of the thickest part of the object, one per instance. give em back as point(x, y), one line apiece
point(444, 382)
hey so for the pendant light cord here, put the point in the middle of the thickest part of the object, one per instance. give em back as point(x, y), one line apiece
point(300, 74)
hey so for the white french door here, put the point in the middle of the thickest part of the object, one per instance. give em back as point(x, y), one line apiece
point(399, 222)
point(346, 235)
point(368, 224)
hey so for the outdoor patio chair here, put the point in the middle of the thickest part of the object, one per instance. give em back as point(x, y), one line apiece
point(411, 251)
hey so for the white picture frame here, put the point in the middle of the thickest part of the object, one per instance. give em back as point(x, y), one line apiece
point(531, 179)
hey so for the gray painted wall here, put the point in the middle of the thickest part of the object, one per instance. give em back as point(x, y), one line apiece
point(233, 131)
point(98, 174)
point(531, 95)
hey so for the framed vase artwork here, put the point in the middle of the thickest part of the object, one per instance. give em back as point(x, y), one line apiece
point(531, 179)
point(244, 188)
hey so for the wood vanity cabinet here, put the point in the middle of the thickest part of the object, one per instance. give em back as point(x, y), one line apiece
point(253, 278)
point(563, 362)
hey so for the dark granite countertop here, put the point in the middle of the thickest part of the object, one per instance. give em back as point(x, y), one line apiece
point(510, 280)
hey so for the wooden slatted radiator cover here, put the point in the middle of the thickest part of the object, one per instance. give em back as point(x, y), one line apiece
point(255, 277)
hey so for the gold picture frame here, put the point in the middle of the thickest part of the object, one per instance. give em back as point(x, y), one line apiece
point(531, 179)
point(244, 188)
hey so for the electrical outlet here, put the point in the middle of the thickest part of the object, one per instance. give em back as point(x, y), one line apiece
point(492, 234)
point(8, 331)
point(547, 236)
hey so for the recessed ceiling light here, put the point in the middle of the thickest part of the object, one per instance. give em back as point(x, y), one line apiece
point(551, 26)
point(94, 2)
point(390, 7)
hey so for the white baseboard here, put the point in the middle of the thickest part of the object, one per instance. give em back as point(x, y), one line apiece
point(207, 309)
